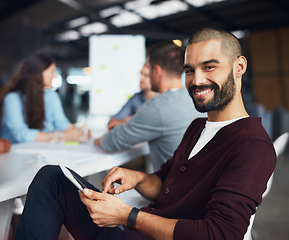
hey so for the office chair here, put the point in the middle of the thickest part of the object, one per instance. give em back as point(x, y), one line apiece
point(279, 145)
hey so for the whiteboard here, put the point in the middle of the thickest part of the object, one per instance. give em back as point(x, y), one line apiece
point(115, 62)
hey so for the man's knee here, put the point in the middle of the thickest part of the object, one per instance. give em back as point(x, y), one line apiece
point(48, 172)
point(46, 176)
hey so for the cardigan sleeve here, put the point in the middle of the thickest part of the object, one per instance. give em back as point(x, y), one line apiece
point(235, 196)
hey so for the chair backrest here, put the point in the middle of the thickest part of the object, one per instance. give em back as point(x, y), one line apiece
point(279, 146)
point(280, 143)
point(248, 235)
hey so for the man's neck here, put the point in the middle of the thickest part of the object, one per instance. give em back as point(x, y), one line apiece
point(233, 110)
point(171, 84)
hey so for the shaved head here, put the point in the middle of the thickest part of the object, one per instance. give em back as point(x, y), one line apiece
point(230, 45)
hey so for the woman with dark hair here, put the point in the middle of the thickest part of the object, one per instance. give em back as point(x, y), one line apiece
point(30, 109)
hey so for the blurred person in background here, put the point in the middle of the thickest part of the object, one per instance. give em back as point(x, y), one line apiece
point(31, 110)
point(163, 120)
point(5, 145)
point(132, 105)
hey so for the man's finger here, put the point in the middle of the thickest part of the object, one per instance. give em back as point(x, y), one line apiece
point(93, 195)
point(108, 180)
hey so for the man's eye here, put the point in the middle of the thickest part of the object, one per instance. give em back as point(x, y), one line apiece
point(209, 67)
point(189, 71)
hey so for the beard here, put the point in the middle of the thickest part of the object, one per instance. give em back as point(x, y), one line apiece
point(154, 86)
point(221, 97)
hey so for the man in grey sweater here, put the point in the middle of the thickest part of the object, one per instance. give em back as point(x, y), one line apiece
point(163, 120)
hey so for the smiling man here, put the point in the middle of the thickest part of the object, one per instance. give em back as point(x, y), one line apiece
point(208, 190)
point(211, 81)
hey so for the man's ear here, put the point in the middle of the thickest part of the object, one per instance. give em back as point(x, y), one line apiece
point(240, 66)
point(158, 70)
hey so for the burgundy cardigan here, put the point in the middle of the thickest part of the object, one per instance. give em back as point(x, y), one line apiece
point(215, 193)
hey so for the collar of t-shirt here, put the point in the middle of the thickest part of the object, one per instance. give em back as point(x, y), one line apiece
point(173, 89)
point(209, 131)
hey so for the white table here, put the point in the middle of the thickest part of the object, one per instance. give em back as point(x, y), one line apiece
point(19, 166)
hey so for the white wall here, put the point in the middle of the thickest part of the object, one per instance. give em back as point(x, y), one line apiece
point(115, 61)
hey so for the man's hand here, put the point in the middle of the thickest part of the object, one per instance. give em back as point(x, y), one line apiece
point(5, 145)
point(114, 122)
point(127, 179)
point(109, 211)
point(97, 141)
point(105, 210)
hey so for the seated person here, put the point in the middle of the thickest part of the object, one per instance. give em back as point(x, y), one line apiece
point(30, 109)
point(130, 108)
point(163, 120)
point(208, 190)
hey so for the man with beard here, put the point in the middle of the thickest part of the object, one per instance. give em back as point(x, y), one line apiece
point(207, 190)
point(163, 120)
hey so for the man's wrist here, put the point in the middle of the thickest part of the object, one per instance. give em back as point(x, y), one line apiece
point(131, 220)
point(141, 176)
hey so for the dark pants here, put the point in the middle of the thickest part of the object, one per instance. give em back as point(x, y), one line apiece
point(53, 200)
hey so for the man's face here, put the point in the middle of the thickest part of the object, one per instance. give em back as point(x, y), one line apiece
point(153, 78)
point(145, 83)
point(209, 76)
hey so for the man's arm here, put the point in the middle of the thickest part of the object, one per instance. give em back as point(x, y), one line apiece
point(148, 185)
point(115, 121)
point(110, 211)
point(155, 226)
point(145, 125)
point(130, 106)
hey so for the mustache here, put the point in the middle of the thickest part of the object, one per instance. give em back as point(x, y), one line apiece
point(203, 87)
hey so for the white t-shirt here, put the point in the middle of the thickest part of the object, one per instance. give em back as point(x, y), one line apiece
point(210, 130)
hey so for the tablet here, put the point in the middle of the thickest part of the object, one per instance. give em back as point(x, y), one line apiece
point(75, 179)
